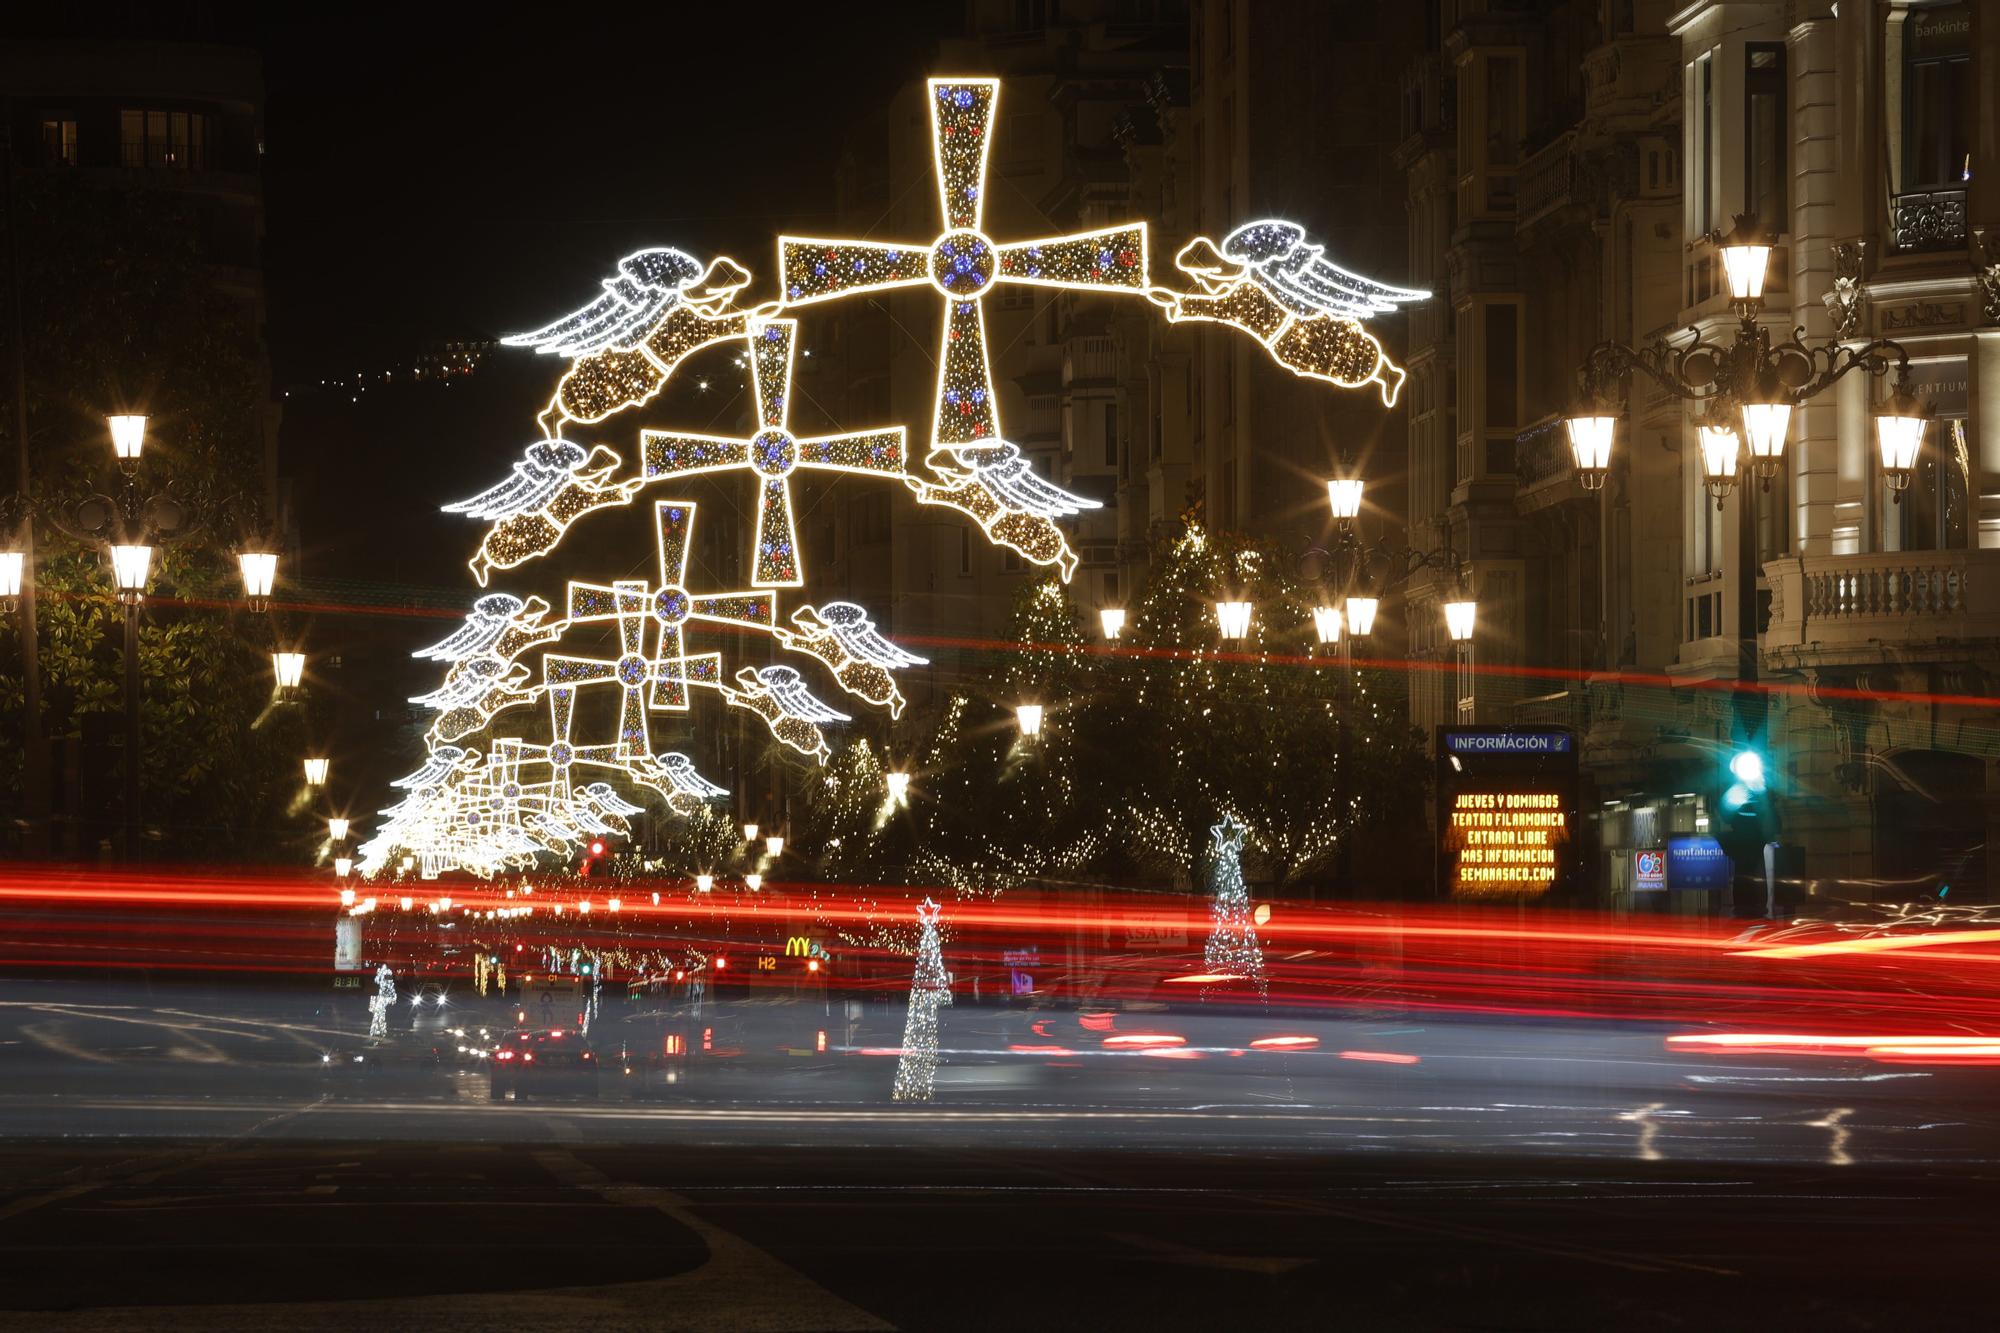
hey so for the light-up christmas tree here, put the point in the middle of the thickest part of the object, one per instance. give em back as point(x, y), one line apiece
point(382, 1002)
point(1232, 943)
point(930, 990)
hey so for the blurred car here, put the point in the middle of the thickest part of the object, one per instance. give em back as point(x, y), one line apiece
point(543, 1062)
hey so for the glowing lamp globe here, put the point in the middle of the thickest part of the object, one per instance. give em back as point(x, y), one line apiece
point(899, 787)
point(129, 566)
point(128, 436)
point(11, 565)
point(316, 771)
point(1361, 615)
point(1764, 428)
point(1029, 716)
point(1591, 433)
point(336, 828)
point(704, 883)
point(1719, 449)
point(1344, 495)
point(346, 895)
point(1113, 620)
point(1899, 430)
point(753, 881)
point(1746, 259)
point(260, 573)
point(1459, 619)
point(1326, 623)
point(1232, 619)
point(774, 845)
point(289, 668)
point(749, 833)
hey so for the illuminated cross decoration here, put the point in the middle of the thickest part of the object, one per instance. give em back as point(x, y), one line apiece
point(560, 754)
point(673, 606)
point(627, 603)
point(773, 454)
point(963, 264)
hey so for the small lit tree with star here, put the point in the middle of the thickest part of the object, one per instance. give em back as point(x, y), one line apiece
point(1232, 942)
point(930, 990)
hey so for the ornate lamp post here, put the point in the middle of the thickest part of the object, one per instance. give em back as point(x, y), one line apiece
point(1751, 385)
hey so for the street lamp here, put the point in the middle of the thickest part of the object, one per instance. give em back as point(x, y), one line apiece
point(1113, 620)
point(749, 833)
point(289, 668)
point(774, 845)
point(130, 565)
point(1751, 379)
point(753, 881)
point(1460, 616)
point(1344, 495)
point(316, 771)
point(128, 437)
point(260, 573)
point(1361, 610)
point(1591, 431)
point(346, 895)
point(1899, 428)
point(1232, 618)
point(11, 563)
point(1029, 717)
point(899, 786)
point(1719, 449)
point(1326, 623)
point(704, 883)
point(336, 828)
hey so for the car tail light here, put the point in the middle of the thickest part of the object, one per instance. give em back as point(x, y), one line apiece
point(504, 1055)
point(528, 1056)
point(586, 1055)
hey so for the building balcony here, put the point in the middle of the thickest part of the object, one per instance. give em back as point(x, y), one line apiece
point(1544, 468)
point(1548, 179)
point(1927, 223)
point(1090, 361)
point(1569, 709)
point(1828, 610)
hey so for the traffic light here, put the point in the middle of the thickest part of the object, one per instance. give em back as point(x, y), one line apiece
point(592, 856)
point(1745, 793)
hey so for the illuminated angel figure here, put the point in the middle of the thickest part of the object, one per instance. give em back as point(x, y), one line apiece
point(841, 635)
point(656, 310)
point(673, 774)
point(962, 264)
point(1272, 283)
point(440, 764)
point(773, 454)
point(1000, 490)
point(609, 807)
point(549, 489)
point(472, 693)
point(778, 694)
point(501, 625)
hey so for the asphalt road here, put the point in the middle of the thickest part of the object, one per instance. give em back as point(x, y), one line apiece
point(185, 1158)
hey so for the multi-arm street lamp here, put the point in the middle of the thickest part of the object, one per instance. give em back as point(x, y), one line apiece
point(1749, 387)
point(130, 523)
point(1359, 573)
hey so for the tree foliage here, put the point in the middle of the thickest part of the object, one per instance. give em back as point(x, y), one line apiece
point(1145, 745)
point(120, 311)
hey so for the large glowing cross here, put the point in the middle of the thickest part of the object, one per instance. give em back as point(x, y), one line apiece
point(630, 670)
point(773, 453)
point(963, 264)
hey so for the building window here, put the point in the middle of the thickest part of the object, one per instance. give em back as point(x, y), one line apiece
point(176, 140)
point(1766, 181)
point(59, 141)
point(1010, 560)
point(1936, 508)
point(1111, 435)
point(1705, 79)
point(965, 552)
point(1937, 105)
point(869, 521)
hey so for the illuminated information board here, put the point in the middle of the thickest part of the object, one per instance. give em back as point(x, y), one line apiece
point(1506, 813)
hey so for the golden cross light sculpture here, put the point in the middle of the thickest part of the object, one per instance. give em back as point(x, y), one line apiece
point(985, 475)
point(773, 454)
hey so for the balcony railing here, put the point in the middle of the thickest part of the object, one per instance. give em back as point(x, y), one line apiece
point(1928, 222)
point(1088, 359)
point(1548, 177)
point(1896, 597)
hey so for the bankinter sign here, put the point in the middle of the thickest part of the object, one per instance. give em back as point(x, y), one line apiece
point(1505, 844)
